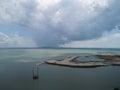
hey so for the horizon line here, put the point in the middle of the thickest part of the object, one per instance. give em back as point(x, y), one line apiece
point(59, 48)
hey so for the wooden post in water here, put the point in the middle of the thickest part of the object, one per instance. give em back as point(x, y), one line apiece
point(35, 72)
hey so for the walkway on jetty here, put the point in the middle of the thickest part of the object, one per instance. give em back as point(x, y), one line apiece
point(71, 62)
point(108, 60)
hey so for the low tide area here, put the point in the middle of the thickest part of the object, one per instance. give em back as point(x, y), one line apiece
point(16, 70)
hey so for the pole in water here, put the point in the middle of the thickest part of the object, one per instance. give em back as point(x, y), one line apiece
point(35, 73)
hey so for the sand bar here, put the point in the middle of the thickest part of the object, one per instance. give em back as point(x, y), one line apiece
point(71, 62)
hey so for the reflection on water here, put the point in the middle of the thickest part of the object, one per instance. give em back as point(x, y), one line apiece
point(17, 75)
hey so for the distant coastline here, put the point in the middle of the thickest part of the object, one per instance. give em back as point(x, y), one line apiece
point(58, 48)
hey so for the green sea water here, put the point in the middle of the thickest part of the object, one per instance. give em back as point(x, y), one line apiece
point(16, 71)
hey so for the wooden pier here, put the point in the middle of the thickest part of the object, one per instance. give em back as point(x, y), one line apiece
point(36, 71)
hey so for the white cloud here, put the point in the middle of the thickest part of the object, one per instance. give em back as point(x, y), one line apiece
point(12, 10)
point(15, 41)
point(108, 41)
point(46, 4)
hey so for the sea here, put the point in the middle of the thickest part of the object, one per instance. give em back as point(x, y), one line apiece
point(17, 67)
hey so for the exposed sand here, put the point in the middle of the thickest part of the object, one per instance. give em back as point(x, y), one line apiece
point(109, 59)
point(72, 63)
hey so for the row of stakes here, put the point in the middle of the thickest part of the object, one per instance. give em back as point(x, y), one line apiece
point(36, 71)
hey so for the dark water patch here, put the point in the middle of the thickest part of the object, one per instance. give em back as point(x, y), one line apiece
point(16, 73)
point(17, 76)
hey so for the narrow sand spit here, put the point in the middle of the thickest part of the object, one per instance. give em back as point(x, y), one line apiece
point(71, 62)
point(108, 59)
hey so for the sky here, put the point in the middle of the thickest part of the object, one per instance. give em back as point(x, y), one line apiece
point(60, 23)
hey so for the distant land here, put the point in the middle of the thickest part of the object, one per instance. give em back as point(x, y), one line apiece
point(55, 48)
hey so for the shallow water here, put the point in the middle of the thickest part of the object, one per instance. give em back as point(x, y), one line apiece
point(16, 67)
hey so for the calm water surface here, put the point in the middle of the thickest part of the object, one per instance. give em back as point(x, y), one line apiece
point(16, 67)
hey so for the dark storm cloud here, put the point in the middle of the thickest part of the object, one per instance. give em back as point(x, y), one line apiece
point(56, 22)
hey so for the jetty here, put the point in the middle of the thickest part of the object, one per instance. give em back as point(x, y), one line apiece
point(106, 60)
point(72, 62)
point(36, 70)
point(112, 59)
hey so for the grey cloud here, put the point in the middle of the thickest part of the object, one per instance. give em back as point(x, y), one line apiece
point(68, 20)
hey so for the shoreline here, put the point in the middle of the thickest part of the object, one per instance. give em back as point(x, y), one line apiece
point(109, 60)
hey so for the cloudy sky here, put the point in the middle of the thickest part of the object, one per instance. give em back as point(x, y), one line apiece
point(64, 23)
